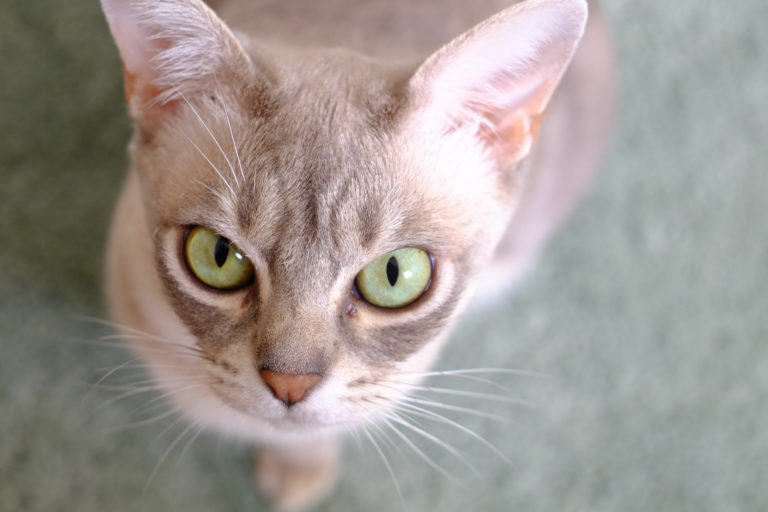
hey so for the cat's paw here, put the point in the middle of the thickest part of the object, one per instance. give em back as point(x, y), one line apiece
point(296, 477)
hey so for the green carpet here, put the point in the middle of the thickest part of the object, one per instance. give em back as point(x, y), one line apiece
point(648, 315)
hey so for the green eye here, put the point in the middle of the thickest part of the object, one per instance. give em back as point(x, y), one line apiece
point(216, 261)
point(396, 279)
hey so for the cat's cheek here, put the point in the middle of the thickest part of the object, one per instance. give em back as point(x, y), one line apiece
point(360, 392)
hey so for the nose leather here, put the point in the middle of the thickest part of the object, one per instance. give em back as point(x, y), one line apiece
point(289, 388)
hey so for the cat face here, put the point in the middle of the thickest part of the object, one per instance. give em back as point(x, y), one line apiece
point(310, 200)
point(307, 168)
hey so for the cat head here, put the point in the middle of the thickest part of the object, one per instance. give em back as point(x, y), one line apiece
point(317, 218)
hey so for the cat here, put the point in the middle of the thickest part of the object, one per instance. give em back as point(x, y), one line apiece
point(318, 189)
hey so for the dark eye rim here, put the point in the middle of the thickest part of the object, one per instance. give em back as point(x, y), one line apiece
point(185, 231)
point(357, 294)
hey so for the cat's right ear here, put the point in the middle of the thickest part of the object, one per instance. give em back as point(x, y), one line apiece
point(171, 49)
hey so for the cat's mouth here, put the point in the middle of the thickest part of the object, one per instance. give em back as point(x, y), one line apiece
point(305, 420)
point(316, 413)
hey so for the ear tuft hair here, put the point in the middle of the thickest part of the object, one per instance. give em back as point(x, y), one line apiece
point(170, 47)
point(495, 80)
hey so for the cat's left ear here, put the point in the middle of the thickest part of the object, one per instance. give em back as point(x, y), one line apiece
point(170, 48)
point(494, 82)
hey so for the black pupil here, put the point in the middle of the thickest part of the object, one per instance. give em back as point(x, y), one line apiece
point(221, 252)
point(392, 271)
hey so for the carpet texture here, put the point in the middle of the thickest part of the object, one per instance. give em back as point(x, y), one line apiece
point(647, 316)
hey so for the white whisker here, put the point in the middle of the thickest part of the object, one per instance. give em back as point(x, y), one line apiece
point(125, 345)
point(116, 325)
point(141, 365)
point(131, 392)
point(213, 137)
point(426, 413)
point(434, 465)
point(188, 445)
point(161, 382)
point(352, 431)
point(165, 396)
point(168, 451)
point(470, 394)
point(390, 442)
point(457, 408)
point(232, 135)
point(154, 383)
point(473, 378)
point(108, 374)
point(386, 464)
point(141, 423)
point(470, 371)
point(131, 333)
point(439, 442)
point(213, 166)
point(154, 387)
point(156, 339)
point(221, 197)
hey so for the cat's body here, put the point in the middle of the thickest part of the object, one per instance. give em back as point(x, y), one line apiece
point(315, 147)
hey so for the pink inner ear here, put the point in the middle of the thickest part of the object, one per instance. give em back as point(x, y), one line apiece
point(509, 126)
point(169, 48)
point(511, 139)
point(143, 93)
point(141, 78)
point(495, 80)
point(137, 49)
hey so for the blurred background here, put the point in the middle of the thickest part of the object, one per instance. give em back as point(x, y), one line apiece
point(647, 316)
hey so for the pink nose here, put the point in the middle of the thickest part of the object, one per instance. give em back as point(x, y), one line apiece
point(289, 388)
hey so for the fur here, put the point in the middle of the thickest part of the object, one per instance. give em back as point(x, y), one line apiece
point(316, 154)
